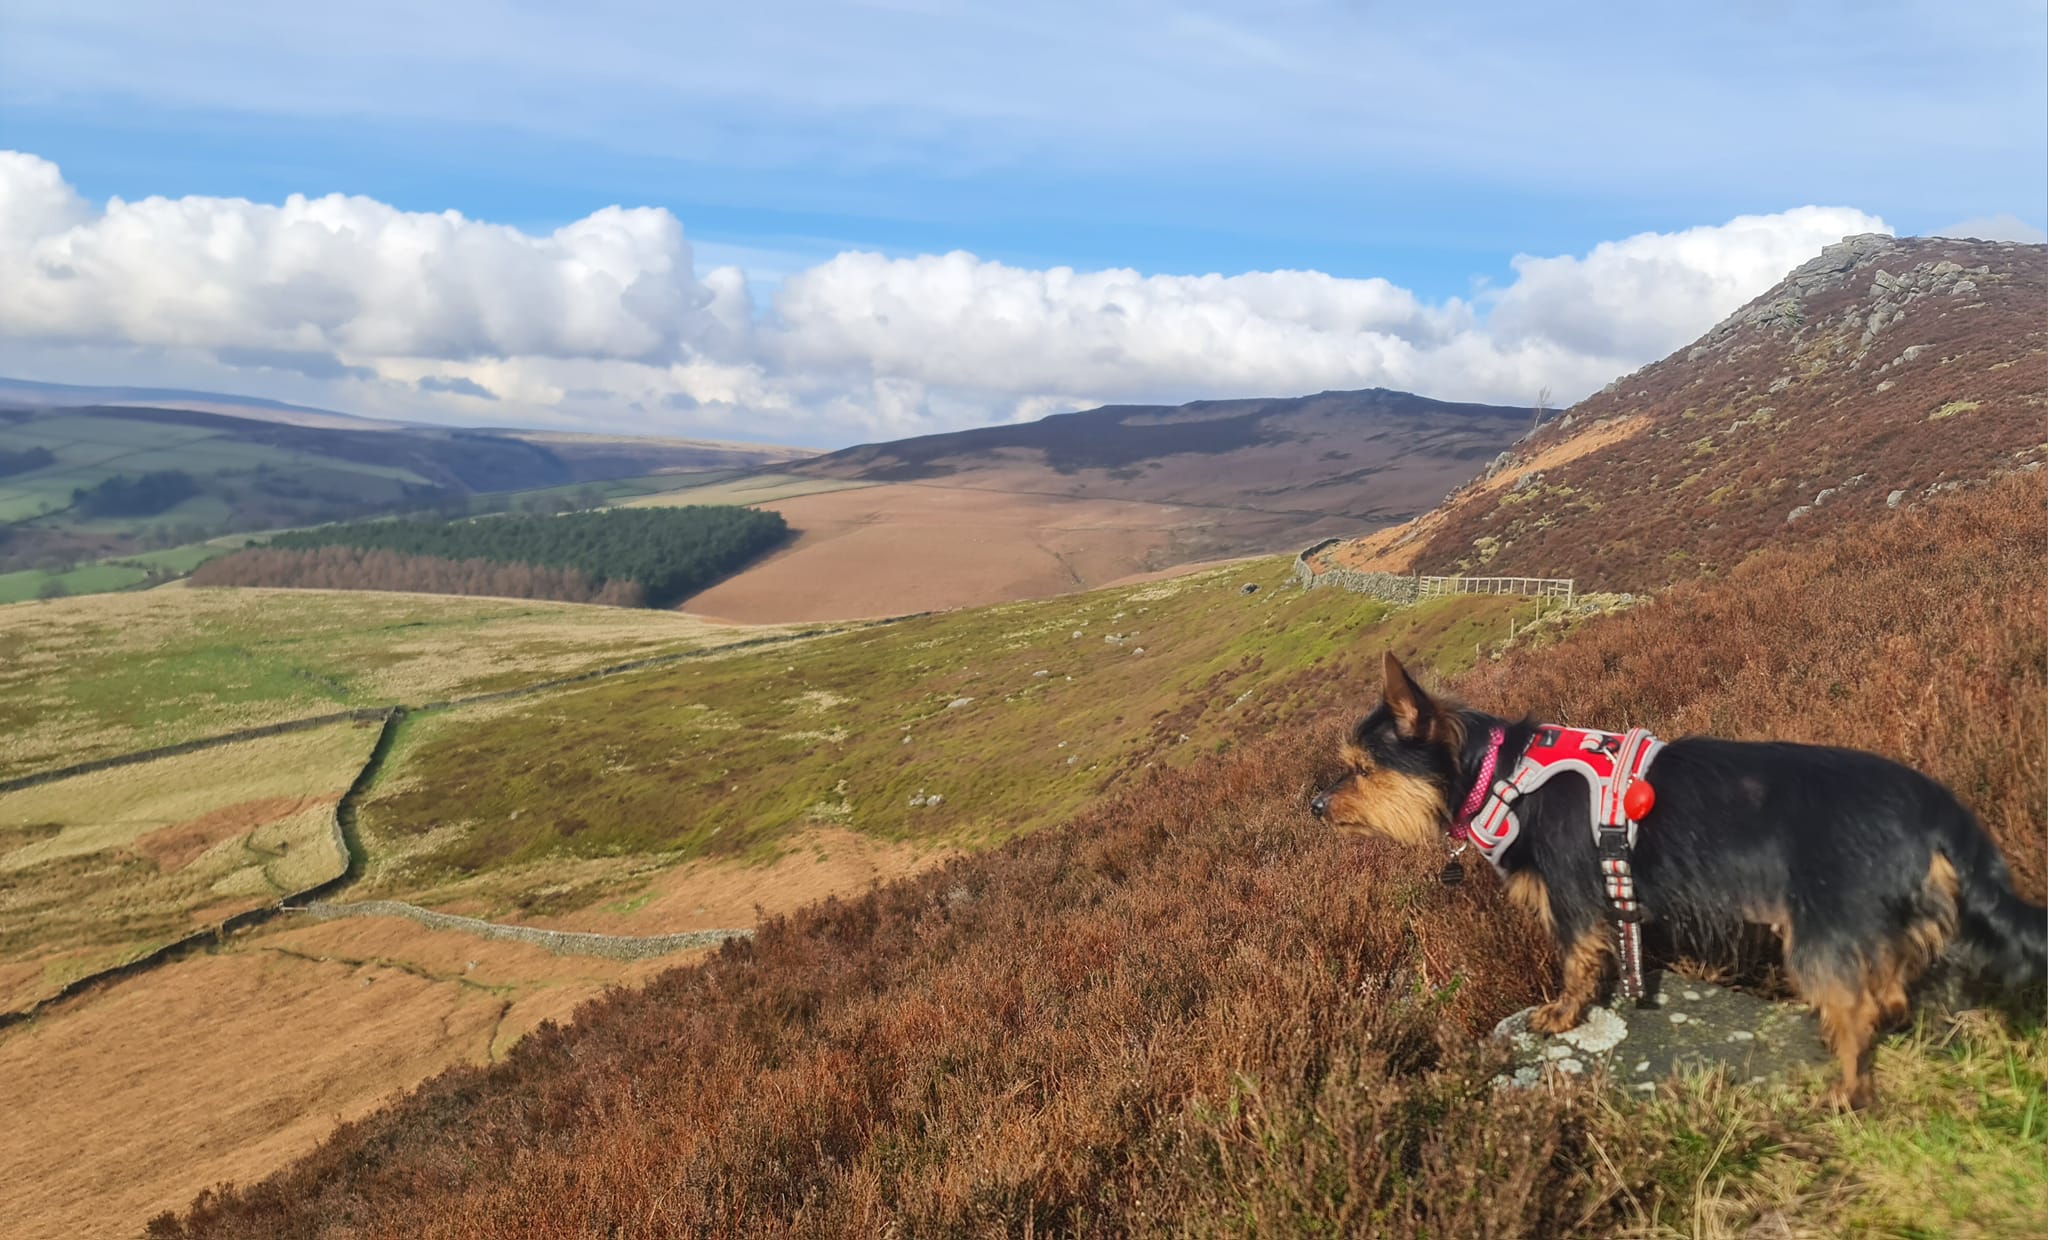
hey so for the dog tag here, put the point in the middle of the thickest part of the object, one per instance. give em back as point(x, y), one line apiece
point(1453, 873)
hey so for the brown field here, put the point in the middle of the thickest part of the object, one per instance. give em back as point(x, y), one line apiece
point(228, 1066)
point(909, 547)
point(100, 868)
point(757, 490)
point(295, 1027)
point(719, 895)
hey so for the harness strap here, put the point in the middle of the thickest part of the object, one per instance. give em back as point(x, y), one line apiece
point(1610, 763)
point(1615, 837)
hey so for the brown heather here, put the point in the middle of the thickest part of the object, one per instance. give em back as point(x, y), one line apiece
point(1769, 410)
point(1189, 1011)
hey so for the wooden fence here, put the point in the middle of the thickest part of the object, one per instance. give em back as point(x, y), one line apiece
point(1538, 587)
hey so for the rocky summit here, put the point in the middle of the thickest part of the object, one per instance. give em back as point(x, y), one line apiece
point(1877, 375)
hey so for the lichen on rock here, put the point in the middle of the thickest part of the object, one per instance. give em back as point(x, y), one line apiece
point(1692, 1025)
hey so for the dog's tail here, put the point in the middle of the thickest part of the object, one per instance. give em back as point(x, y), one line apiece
point(2007, 936)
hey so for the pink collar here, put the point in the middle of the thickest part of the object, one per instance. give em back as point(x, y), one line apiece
point(1461, 827)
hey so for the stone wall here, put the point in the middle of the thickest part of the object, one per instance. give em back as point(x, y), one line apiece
point(1388, 587)
point(561, 942)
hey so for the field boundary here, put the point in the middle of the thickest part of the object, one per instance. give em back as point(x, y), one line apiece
point(560, 942)
point(344, 812)
point(1405, 588)
point(307, 724)
point(351, 850)
point(366, 713)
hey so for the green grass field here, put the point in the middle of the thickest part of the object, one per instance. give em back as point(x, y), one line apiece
point(100, 578)
point(954, 730)
point(84, 678)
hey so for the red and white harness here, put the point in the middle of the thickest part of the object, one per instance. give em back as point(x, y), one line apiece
point(1614, 766)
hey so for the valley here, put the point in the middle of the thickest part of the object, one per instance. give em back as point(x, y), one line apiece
point(1003, 790)
point(778, 776)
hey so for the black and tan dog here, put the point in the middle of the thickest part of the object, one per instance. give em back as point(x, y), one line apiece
point(1866, 870)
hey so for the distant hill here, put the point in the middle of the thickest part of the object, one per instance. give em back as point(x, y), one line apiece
point(1368, 456)
point(221, 474)
point(1879, 374)
point(30, 394)
point(1083, 499)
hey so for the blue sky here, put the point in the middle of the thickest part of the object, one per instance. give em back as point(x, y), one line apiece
point(1362, 140)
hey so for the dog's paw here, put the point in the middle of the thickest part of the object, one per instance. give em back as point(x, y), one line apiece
point(1553, 1018)
point(1847, 1096)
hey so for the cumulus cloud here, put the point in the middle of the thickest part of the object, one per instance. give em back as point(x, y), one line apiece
point(347, 276)
point(1647, 295)
point(606, 321)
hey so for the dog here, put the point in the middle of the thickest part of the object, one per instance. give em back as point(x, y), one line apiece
point(1866, 871)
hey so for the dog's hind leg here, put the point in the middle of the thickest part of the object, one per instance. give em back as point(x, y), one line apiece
point(1585, 965)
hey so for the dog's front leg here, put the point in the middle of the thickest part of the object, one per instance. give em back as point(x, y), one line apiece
point(1585, 965)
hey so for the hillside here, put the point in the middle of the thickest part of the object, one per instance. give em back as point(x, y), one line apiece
point(1190, 1011)
point(1083, 499)
point(726, 775)
point(235, 474)
point(1881, 373)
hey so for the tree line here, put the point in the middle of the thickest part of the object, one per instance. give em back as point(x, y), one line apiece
point(20, 462)
point(651, 557)
point(147, 495)
point(356, 568)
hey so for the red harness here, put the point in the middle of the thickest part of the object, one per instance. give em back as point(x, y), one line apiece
point(1613, 764)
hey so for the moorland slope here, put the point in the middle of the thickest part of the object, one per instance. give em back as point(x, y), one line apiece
point(753, 771)
point(1189, 1011)
point(1881, 373)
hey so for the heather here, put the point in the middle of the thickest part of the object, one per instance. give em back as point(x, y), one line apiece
point(1188, 1011)
point(1880, 374)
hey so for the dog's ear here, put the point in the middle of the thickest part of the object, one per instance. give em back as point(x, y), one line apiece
point(1412, 709)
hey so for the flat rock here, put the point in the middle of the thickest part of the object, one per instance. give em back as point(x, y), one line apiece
point(1693, 1025)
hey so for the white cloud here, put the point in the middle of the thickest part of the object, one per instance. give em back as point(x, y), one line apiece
point(348, 277)
point(2004, 226)
point(1647, 295)
point(352, 303)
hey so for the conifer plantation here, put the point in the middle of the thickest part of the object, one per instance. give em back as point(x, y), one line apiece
point(632, 557)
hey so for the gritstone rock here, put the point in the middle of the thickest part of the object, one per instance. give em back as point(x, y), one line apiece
point(1696, 1025)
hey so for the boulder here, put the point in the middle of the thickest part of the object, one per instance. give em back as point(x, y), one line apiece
point(1693, 1025)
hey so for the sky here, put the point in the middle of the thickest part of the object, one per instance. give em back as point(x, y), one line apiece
point(824, 223)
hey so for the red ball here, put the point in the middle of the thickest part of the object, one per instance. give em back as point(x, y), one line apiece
point(1639, 800)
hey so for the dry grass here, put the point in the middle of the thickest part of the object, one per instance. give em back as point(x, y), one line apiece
point(100, 868)
point(230, 1065)
point(1396, 548)
point(753, 489)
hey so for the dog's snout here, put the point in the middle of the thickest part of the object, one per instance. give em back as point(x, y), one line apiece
point(1320, 805)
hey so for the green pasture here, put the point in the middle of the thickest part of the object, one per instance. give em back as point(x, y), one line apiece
point(953, 729)
point(83, 678)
